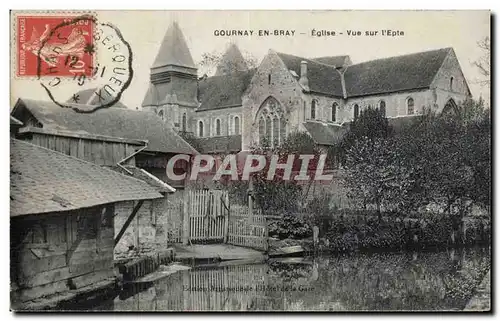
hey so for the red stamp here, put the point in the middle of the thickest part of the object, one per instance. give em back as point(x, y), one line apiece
point(56, 46)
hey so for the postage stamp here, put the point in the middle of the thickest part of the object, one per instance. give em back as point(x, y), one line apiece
point(67, 50)
point(108, 75)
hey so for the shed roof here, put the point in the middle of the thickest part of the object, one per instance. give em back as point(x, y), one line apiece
point(145, 176)
point(112, 122)
point(43, 181)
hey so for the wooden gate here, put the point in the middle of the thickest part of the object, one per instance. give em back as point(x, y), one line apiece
point(248, 230)
point(206, 216)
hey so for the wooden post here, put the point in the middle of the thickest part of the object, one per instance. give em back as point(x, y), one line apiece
point(227, 207)
point(185, 218)
point(250, 195)
point(266, 235)
point(129, 220)
point(315, 237)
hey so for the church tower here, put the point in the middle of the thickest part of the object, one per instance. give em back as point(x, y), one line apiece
point(172, 92)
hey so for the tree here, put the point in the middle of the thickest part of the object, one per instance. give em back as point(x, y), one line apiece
point(440, 160)
point(370, 124)
point(375, 175)
point(483, 63)
point(211, 60)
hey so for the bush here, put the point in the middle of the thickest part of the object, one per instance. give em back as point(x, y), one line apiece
point(348, 232)
point(290, 226)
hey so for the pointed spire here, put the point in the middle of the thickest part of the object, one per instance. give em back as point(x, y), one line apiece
point(232, 61)
point(174, 50)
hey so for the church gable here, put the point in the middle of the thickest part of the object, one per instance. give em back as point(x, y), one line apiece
point(450, 76)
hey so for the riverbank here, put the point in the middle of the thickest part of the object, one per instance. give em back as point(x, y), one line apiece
point(481, 301)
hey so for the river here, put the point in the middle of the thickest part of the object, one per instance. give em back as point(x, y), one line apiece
point(424, 281)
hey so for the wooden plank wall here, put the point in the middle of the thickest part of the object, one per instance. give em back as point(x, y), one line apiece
point(42, 266)
point(95, 151)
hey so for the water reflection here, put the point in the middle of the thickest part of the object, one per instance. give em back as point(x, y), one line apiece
point(380, 281)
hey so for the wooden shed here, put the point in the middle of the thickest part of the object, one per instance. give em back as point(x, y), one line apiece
point(62, 226)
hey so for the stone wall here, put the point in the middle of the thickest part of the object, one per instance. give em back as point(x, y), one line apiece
point(226, 116)
point(147, 231)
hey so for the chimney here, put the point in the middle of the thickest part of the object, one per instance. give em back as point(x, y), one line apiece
point(303, 81)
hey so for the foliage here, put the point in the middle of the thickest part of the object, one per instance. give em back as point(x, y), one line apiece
point(370, 124)
point(440, 160)
point(191, 139)
point(483, 64)
point(210, 61)
point(290, 226)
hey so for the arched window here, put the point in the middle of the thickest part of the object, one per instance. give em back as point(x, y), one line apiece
point(276, 130)
point(269, 79)
point(305, 111)
point(356, 111)
point(410, 104)
point(381, 107)
point(262, 129)
point(269, 129)
point(334, 111)
point(313, 109)
point(236, 125)
point(217, 127)
point(451, 84)
point(200, 129)
point(160, 113)
point(184, 122)
point(272, 123)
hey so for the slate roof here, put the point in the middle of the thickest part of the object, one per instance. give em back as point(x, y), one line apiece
point(43, 181)
point(323, 79)
point(143, 175)
point(213, 145)
point(84, 97)
point(223, 91)
point(407, 72)
point(326, 133)
point(112, 122)
point(174, 50)
point(337, 61)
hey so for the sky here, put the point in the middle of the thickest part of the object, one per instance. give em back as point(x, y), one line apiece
point(423, 30)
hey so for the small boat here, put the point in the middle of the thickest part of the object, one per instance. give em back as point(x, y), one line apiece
point(287, 251)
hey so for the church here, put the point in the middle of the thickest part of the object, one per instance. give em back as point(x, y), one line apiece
point(239, 107)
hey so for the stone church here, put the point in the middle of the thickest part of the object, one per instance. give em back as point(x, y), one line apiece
point(240, 107)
